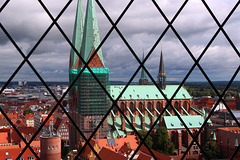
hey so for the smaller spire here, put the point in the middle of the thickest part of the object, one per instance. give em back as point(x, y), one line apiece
point(236, 142)
point(143, 79)
point(214, 137)
point(161, 74)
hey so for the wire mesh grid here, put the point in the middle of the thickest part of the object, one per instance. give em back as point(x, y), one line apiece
point(141, 65)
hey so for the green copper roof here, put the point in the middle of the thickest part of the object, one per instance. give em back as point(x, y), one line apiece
point(136, 92)
point(192, 121)
point(91, 38)
point(94, 70)
point(77, 34)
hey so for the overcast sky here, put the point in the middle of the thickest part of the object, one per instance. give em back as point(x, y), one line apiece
point(26, 21)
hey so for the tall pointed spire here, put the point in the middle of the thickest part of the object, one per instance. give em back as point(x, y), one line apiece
point(91, 38)
point(161, 74)
point(77, 36)
point(143, 79)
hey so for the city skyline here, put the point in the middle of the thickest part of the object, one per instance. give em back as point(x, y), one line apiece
point(141, 26)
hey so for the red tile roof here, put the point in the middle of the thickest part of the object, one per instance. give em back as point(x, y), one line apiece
point(144, 156)
point(107, 154)
point(158, 155)
point(125, 149)
point(4, 137)
point(129, 139)
point(88, 150)
point(14, 152)
point(29, 116)
point(231, 105)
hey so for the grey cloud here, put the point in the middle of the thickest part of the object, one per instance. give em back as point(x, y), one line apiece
point(141, 26)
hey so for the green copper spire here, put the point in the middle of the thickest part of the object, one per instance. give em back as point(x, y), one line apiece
point(236, 142)
point(214, 137)
point(143, 79)
point(91, 38)
point(77, 35)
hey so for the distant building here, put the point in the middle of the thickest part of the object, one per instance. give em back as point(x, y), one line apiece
point(226, 119)
point(238, 101)
point(11, 144)
point(61, 127)
point(29, 120)
point(205, 103)
point(227, 139)
point(39, 119)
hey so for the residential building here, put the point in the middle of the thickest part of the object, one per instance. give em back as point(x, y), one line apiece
point(61, 127)
point(29, 120)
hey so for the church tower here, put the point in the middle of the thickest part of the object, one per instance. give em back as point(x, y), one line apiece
point(143, 79)
point(161, 74)
point(88, 103)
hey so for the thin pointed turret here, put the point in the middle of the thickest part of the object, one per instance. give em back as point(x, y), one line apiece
point(77, 36)
point(161, 74)
point(236, 142)
point(91, 38)
point(143, 79)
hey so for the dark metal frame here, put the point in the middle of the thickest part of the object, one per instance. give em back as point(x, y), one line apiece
point(141, 65)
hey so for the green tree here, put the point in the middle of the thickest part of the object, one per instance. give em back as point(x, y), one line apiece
point(211, 150)
point(64, 150)
point(27, 111)
point(148, 140)
point(64, 103)
point(162, 142)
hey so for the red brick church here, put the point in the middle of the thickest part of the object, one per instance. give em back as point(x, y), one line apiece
point(141, 103)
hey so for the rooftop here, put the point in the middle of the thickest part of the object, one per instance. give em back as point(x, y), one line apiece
point(147, 92)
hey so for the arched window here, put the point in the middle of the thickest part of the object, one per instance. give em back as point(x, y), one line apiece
point(115, 109)
point(140, 107)
point(176, 105)
point(185, 106)
point(159, 106)
point(131, 107)
point(123, 107)
point(173, 138)
point(150, 106)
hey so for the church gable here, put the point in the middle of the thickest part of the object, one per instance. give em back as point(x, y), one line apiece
point(96, 61)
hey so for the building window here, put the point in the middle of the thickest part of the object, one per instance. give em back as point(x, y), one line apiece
point(56, 146)
point(31, 158)
point(122, 107)
point(141, 107)
point(131, 107)
point(149, 106)
point(7, 153)
point(158, 106)
point(49, 147)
